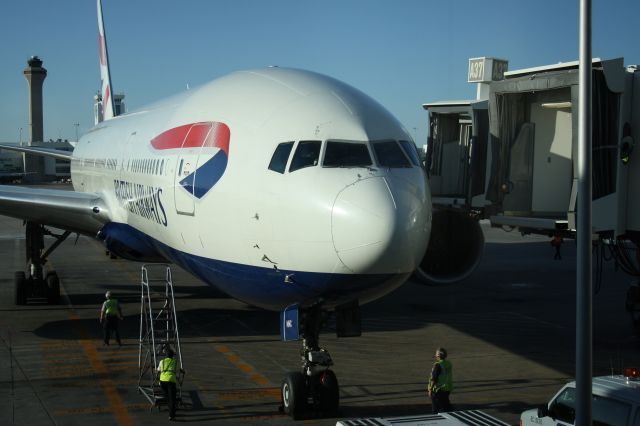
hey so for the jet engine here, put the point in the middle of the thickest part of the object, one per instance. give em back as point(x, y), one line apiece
point(454, 250)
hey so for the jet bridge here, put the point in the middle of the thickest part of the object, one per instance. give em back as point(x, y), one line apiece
point(509, 155)
point(530, 164)
point(456, 163)
point(534, 141)
point(456, 153)
point(533, 137)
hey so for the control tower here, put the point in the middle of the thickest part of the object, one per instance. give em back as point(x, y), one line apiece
point(35, 75)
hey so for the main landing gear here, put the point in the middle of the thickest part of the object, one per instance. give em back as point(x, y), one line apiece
point(315, 387)
point(36, 284)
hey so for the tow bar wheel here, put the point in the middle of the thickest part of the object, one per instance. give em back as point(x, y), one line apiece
point(294, 395)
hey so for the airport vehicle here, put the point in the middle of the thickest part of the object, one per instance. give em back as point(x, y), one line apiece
point(454, 418)
point(285, 189)
point(616, 402)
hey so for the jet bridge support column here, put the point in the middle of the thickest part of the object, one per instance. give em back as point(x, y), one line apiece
point(158, 332)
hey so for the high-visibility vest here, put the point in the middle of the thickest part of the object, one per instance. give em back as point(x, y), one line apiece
point(111, 307)
point(168, 370)
point(445, 379)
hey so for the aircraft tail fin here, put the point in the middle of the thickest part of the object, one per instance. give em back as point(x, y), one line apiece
point(108, 107)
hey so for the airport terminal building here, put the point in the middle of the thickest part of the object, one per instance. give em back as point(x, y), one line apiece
point(12, 164)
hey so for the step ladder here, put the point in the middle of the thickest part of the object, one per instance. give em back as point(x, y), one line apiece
point(158, 331)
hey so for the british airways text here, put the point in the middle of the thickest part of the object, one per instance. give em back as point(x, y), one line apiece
point(142, 200)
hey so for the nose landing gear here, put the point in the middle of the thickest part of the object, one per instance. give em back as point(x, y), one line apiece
point(314, 388)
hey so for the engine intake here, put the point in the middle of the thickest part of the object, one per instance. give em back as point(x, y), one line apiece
point(454, 250)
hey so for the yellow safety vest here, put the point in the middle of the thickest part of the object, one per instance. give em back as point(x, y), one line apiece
point(168, 370)
point(445, 379)
point(111, 307)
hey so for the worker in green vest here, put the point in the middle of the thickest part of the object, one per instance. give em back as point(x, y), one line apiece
point(167, 369)
point(110, 314)
point(440, 382)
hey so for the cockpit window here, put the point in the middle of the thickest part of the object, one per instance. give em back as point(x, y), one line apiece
point(346, 154)
point(389, 154)
point(280, 156)
point(411, 151)
point(306, 155)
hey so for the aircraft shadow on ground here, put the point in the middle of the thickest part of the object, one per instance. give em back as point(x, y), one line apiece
point(511, 281)
point(192, 323)
point(130, 294)
point(522, 300)
point(358, 406)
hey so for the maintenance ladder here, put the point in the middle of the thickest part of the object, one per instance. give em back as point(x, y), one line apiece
point(158, 331)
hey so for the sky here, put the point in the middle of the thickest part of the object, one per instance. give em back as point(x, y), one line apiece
point(403, 53)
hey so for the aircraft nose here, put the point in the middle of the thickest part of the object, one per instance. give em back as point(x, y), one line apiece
point(380, 225)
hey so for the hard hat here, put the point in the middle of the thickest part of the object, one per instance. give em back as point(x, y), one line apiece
point(107, 295)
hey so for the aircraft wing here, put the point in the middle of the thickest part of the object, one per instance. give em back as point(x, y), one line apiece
point(81, 212)
point(36, 150)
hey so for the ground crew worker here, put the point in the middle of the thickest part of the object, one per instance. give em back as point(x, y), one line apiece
point(440, 382)
point(556, 242)
point(167, 369)
point(109, 316)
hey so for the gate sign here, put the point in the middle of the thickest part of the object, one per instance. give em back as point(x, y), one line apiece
point(484, 70)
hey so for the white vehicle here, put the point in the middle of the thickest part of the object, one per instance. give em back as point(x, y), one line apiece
point(616, 400)
point(454, 418)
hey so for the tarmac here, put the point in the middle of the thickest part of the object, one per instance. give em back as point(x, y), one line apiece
point(509, 330)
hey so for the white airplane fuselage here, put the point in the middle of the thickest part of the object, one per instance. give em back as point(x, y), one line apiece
point(189, 180)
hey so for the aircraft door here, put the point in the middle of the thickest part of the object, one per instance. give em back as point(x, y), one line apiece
point(518, 197)
point(186, 166)
point(125, 158)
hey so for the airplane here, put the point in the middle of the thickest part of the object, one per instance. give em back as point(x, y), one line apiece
point(284, 188)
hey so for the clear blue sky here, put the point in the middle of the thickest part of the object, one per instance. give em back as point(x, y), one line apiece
point(402, 52)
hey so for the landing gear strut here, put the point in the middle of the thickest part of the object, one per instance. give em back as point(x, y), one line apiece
point(35, 283)
point(315, 387)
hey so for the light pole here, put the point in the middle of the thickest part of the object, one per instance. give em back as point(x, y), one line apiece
point(584, 280)
point(77, 125)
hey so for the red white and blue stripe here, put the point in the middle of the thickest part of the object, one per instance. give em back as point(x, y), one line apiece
point(209, 137)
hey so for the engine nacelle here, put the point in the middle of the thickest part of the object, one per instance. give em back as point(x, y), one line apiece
point(454, 250)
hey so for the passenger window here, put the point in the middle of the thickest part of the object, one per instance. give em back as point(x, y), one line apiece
point(280, 156)
point(412, 152)
point(346, 154)
point(306, 155)
point(389, 154)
